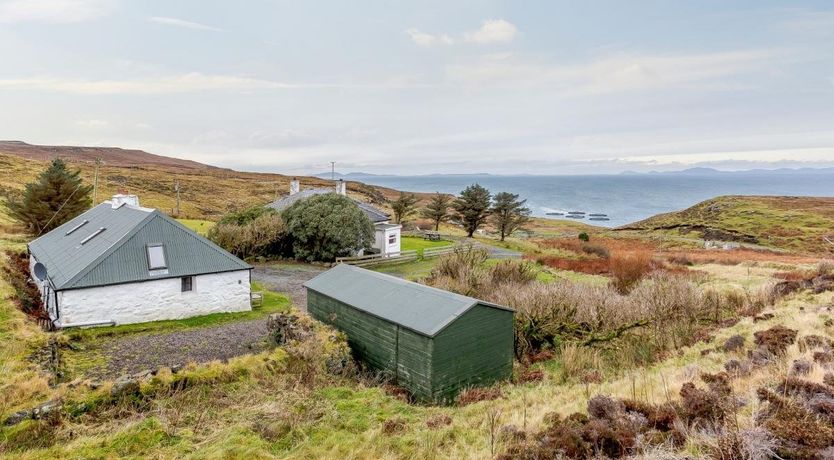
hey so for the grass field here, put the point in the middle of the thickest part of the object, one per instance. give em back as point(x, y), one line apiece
point(416, 243)
point(200, 226)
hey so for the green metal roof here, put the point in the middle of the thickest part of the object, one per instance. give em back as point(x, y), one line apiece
point(118, 253)
point(423, 309)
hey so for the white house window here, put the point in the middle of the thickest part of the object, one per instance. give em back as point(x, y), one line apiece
point(392, 238)
point(187, 283)
point(156, 257)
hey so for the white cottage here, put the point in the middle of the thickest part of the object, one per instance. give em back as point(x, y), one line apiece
point(120, 263)
point(386, 234)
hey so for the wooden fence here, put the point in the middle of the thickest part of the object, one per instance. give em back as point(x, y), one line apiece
point(441, 251)
point(373, 259)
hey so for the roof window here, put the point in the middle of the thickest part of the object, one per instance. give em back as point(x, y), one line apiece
point(156, 257)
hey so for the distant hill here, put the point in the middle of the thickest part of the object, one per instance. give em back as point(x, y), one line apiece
point(803, 224)
point(206, 192)
point(700, 171)
point(113, 156)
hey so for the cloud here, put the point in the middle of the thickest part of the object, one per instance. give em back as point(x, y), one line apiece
point(615, 72)
point(185, 83)
point(492, 31)
point(93, 124)
point(53, 11)
point(174, 22)
point(421, 38)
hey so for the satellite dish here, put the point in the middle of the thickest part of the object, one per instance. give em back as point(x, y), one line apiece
point(40, 271)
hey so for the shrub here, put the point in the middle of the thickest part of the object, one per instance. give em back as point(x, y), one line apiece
point(629, 268)
point(264, 235)
point(584, 237)
point(324, 227)
point(597, 250)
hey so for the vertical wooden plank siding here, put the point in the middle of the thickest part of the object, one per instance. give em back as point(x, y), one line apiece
point(372, 340)
point(476, 349)
point(414, 365)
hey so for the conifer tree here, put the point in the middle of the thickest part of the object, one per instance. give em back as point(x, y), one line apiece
point(472, 207)
point(508, 213)
point(55, 197)
point(437, 209)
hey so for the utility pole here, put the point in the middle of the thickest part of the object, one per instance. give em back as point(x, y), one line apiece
point(95, 183)
point(177, 188)
point(332, 170)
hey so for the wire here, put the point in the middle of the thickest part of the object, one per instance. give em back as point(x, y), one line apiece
point(59, 210)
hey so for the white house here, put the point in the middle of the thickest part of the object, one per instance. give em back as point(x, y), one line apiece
point(120, 263)
point(386, 234)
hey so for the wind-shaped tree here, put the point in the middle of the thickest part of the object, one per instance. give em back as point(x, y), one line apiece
point(55, 197)
point(472, 207)
point(508, 213)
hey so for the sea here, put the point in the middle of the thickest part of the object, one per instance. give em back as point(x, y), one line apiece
point(622, 199)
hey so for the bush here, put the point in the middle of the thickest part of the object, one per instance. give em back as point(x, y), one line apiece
point(584, 237)
point(324, 227)
point(596, 249)
point(628, 269)
point(262, 236)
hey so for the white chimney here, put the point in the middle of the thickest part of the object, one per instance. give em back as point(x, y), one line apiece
point(295, 187)
point(120, 199)
point(341, 187)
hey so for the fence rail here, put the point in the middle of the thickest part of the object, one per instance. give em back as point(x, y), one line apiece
point(434, 252)
point(373, 259)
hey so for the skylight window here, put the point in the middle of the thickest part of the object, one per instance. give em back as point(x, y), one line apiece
point(78, 226)
point(156, 257)
point(95, 234)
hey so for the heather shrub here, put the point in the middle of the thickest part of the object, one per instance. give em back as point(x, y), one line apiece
point(628, 269)
point(596, 250)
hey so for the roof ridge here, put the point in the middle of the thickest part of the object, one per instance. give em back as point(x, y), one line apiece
point(113, 247)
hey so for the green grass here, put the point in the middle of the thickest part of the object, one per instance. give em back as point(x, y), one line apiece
point(200, 226)
point(273, 303)
point(413, 271)
point(415, 243)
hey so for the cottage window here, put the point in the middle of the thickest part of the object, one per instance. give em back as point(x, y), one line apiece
point(156, 257)
point(392, 238)
point(187, 283)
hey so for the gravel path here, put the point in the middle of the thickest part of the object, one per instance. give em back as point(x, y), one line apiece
point(133, 354)
point(288, 278)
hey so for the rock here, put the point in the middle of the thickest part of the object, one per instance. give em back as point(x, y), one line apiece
point(17, 417)
point(45, 409)
point(124, 386)
point(176, 368)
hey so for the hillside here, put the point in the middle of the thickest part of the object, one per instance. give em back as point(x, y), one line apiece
point(789, 223)
point(206, 192)
point(112, 156)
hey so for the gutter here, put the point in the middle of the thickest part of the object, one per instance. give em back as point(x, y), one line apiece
point(87, 324)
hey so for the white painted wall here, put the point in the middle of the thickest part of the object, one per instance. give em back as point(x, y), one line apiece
point(156, 300)
point(382, 238)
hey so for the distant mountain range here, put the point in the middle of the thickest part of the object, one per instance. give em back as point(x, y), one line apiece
point(712, 171)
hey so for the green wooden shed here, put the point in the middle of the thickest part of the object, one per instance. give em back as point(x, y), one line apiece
point(430, 341)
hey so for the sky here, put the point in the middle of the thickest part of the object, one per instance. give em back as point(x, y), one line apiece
point(393, 87)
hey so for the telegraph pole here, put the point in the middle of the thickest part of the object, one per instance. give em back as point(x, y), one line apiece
point(95, 183)
point(177, 188)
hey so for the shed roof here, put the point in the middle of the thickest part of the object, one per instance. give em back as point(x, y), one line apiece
point(423, 309)
point(118, 253)
point(376, 215)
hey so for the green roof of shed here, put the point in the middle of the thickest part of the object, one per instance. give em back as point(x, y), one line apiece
point(423, 309)
point(118, 254)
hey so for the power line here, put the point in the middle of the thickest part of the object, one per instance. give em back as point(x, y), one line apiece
point(59, 210)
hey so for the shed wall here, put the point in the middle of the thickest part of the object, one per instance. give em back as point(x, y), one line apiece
point(156, 300)
point(476, 349)
point(371, 339)
point(385, 346)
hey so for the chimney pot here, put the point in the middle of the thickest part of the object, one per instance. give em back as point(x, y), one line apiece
point(121, 198)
